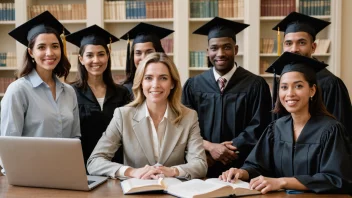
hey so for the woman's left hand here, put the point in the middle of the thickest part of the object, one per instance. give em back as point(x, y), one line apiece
point(266, 184)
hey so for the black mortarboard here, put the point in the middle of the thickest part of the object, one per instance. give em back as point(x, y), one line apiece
point(25, 32)
point(144, 32)
point(91, 35)
point(297, 22)
point(294, 62)
point(219, 27)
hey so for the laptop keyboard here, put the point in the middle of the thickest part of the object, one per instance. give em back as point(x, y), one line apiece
point(90, 182)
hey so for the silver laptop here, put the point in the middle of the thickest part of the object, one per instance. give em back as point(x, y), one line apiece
point(46, 162)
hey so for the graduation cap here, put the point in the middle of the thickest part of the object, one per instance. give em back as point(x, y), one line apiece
point(297, 22)
point(142, 33)
point(219, 27)
point(289, 62)
point(294, 62)
point(94, 35)
point(37, 25)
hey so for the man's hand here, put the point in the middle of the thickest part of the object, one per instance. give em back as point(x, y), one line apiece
point(223, 152)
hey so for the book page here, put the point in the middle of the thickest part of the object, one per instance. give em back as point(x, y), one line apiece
point(140, 185)
point(238, 184)
point(196, 187)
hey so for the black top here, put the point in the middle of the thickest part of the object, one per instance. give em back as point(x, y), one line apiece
point(25, 32)
point(240, 114)
point(94, 121)
point(336, 98)
point(129, 87)
point(320, 159)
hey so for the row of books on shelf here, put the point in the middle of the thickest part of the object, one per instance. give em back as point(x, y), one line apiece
point(315, 7)
point(322, 46)
point(263, 65)
point(137, 9)
point(7, 11)
point(198, 59)
point(8, 59)
point(4, 83)
point(277, 7)
point(60, 11)
point(212, 8)
point(268, 45)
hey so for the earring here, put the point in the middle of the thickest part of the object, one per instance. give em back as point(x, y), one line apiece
point(311, 98)
point(33, 60)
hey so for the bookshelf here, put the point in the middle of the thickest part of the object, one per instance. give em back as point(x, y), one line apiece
point(184, 24)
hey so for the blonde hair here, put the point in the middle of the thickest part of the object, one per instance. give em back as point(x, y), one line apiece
point(174, 97)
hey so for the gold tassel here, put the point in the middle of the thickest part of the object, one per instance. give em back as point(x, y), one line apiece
point(63, 38)
point(278, 42)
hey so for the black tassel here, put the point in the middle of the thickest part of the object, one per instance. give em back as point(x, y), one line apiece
point(274, 116)
point(128, 67)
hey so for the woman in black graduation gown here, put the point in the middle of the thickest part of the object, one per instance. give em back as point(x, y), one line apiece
point(305, 150)
point(97, 94)
point(146, 40)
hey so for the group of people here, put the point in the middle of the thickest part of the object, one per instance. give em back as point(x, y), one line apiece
point(219, 124)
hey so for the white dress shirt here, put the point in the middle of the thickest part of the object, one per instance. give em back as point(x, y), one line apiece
point(227, 76)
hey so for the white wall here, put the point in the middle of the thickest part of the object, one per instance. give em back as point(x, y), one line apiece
point(346, 40)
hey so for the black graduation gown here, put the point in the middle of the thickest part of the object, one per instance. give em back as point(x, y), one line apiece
point(336, 98)
point(129, 87)
point(320, 159)
point(94, 121)
point(239, 115)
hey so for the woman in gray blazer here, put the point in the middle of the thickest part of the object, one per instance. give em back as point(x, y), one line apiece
point(159, 135)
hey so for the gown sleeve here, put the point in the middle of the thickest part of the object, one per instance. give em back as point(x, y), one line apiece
point(187, 96)
point(259, 107)
point(259, 161)
point(335, 173)
point(337, 101)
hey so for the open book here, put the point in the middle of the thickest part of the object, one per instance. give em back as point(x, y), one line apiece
point(134, 185)
point(194, 188)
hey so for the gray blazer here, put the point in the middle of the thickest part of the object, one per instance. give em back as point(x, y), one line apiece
point(182, 146)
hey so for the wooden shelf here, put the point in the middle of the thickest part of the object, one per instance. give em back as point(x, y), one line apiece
point(84, 21)
point(237, 19)
point(7, 23)
point(139, 20)
point(267, 75)
point(269, 55)
point(8, 68)
point(199, 68)
point(279, 18)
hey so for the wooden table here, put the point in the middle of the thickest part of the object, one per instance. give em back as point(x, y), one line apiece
point(112, 189)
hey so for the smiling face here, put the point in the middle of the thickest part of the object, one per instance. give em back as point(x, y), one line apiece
point(300, 43)
point(141, 50)
point(95, 59)
point(46, 52)
point(295, 92)
point(221, 52)
point(157, 83)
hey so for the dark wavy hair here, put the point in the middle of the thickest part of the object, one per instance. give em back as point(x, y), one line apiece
point(62, 68)
point(82, 73)
point(130, 75)
point(315, 106)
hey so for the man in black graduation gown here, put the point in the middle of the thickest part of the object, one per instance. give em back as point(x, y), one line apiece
point(300, 33)
point(233, 104)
